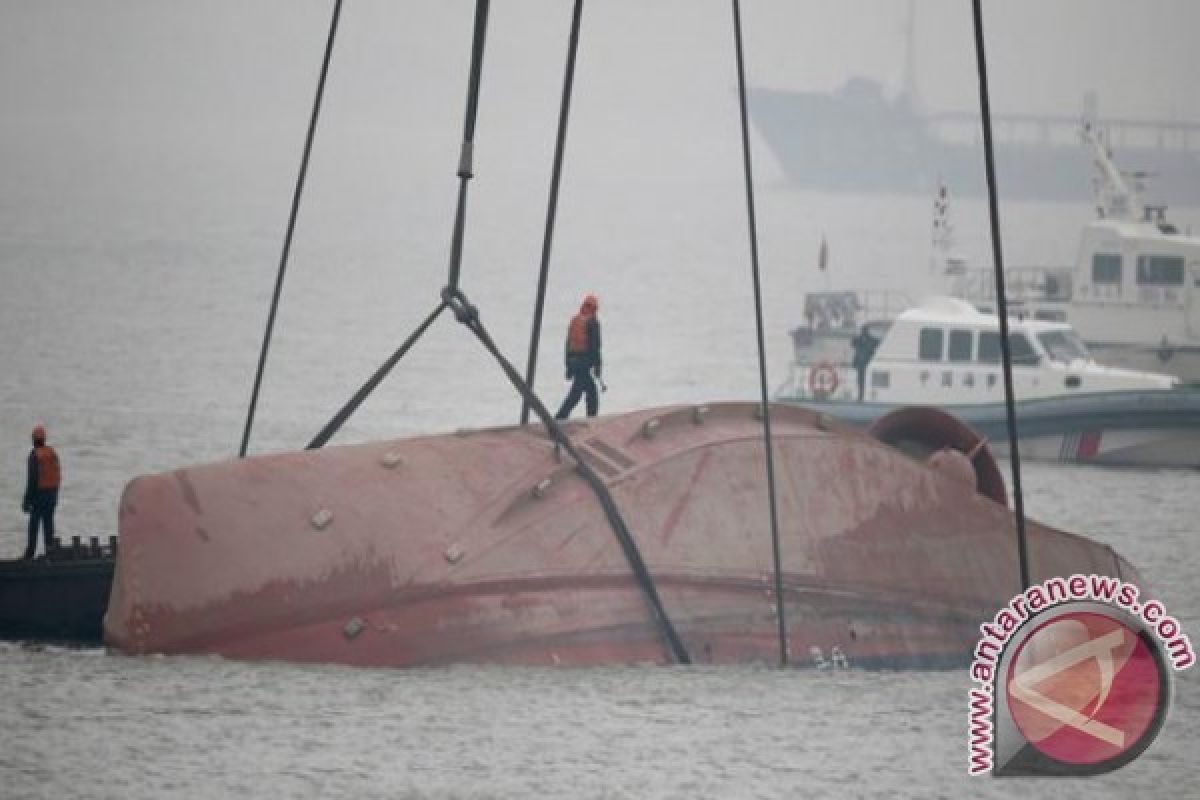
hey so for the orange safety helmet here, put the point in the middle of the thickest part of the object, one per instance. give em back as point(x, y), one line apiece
point(39, 433)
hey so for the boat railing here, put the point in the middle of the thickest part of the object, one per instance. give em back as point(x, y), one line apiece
point(83, 549)
point(831, 320)
point(1022, 285)
point(850, 309)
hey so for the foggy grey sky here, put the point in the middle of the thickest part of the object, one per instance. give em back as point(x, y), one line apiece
point(167, 133)
point(192, 59)
point(183, 97)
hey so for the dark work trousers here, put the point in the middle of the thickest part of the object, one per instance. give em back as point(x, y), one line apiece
point(582, 385)
point(41, 514)
point(862, 381)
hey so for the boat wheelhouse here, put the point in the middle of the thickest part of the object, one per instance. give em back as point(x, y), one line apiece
point(946, 353)
point(1133, 293)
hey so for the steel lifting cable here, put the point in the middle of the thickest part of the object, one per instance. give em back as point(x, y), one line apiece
point(564, 112)
point(339, 419)
point(465, 174)
point(466, 155)
point(758, 322)
point(291, 227)
point(469, 316)
point(1001, 301)
point(453, 298)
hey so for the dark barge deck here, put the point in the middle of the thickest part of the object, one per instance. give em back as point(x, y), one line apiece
point(61, 597)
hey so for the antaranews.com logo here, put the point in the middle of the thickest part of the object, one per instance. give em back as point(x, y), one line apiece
point(1073, 679)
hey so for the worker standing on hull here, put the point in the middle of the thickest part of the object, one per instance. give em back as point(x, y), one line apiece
point(583, 356)
point(41, 491)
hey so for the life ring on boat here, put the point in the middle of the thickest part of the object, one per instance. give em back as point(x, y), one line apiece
point(822, 380)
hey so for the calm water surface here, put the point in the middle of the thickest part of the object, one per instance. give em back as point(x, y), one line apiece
point(150, 367)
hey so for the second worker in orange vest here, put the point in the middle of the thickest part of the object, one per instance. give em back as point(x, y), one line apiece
point(41, 491)
point(583, 356)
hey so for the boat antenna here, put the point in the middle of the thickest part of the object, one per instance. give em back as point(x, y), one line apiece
point(1001, 301)
point(291, 226)
point(758, 325)
point(942, 234)
point(564, 113)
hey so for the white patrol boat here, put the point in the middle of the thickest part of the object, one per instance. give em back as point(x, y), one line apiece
point(1134, 291)
point(946, 353)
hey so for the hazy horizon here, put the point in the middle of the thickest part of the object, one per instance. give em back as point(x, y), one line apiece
point(135, 62)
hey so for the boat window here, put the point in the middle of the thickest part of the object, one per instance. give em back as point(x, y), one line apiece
point(960, 346)
point(1050, 315)
point(880, 379)
point(1022, 351)
point(989, 347)
point(1160, 270)
point(929, 347)
point(1064, 346)
point(1106, 268)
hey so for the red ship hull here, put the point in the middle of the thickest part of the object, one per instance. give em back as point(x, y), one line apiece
point(486, 547)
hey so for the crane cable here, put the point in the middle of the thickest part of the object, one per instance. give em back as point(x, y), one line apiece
point(564, 112)
point(454, 298)
point(1001, 300)
point(758, 322)
point(291, 226)
point(466, 313)
point(469, 316)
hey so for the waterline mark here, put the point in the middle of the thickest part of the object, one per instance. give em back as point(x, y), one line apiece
point(1072, 678)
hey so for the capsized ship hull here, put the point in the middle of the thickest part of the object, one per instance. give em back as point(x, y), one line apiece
point(487, 547)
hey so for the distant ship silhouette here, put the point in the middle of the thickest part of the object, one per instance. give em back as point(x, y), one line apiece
point(857, 139)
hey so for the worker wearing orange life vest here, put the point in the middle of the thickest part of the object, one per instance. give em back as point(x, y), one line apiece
point(583, 356)
point(41, 491)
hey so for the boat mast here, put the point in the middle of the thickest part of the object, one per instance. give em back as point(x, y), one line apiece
point(1114, 197)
